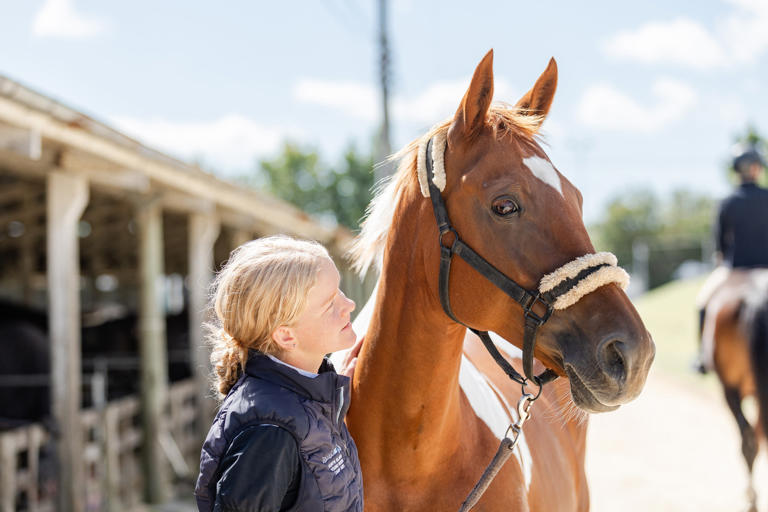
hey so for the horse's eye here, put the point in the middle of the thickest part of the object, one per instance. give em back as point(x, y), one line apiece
point(504, 206)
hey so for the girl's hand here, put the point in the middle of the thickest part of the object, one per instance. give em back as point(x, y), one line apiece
point(348, 359)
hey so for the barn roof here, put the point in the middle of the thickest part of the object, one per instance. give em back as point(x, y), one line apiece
point(39, 134)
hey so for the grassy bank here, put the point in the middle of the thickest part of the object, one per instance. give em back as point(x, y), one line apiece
point(671, 317)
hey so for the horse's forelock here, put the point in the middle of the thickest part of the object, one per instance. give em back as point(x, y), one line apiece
point(368, 247)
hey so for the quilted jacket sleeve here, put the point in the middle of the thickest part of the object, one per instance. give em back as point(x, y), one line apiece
point(260, 471)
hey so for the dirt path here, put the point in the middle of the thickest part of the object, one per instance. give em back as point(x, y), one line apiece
point(676, 448)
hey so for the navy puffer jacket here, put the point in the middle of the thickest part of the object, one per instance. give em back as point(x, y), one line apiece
point(279, 442)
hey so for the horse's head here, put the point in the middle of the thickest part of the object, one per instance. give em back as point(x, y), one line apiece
point(508, 202)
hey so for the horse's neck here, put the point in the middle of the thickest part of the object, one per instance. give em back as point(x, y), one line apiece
point(405, 408)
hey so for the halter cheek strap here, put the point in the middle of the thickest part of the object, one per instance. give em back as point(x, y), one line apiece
point(557, 290)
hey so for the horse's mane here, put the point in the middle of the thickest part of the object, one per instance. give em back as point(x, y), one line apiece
point(368, 247)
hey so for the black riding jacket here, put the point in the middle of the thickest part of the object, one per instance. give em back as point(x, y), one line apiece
point(279, 443)
point(741, 230)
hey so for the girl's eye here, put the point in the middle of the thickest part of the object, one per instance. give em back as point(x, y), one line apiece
point(504, 206)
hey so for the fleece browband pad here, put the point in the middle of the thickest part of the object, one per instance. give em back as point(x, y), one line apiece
point(438, 163)
point(607, 272)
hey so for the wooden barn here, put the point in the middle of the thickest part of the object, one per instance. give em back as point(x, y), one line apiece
point(107, 249)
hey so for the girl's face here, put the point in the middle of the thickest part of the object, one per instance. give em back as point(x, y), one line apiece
point(324, 324)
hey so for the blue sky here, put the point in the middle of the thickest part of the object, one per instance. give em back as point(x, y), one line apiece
point(650, 93)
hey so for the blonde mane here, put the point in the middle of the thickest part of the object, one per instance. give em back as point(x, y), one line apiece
point(368, 247)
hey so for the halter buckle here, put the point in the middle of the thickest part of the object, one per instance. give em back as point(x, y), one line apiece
point(443, 231)
point(531, 303)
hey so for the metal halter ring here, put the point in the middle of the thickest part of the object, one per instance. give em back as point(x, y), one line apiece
point(538, 384)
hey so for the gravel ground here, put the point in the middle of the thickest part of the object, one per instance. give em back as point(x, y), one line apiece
point(675, 448)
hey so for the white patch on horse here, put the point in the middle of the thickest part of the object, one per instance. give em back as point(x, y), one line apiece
point(512, 351)
point(485, 400)
point(363, 318)
point(543, 169)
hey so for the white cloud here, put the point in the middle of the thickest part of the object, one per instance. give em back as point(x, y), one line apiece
point(358, 100)
point(605, 107)
point(58, 18)
point(230, 143)
point(353, 98)
point(745, 32)
point(733, 111)
point(681, 41)
point(741, 37)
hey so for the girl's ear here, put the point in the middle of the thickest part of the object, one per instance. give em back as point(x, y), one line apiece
point(284, 338)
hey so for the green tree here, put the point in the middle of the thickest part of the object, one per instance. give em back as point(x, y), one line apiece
point(674, 229)
point(301, 178)
point(629, 218)
point(350, 188)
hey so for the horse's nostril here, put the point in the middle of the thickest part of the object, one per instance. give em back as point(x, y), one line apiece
point(611, 356)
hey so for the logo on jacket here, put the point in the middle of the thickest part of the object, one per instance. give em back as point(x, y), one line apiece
point(335, 460)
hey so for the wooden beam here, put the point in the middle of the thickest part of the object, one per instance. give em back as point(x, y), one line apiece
point(185, 203)
point(25, 168)
point(66, 200)
point(26, 142)
point(171, 174)
point(152, 349)
point(103, 173)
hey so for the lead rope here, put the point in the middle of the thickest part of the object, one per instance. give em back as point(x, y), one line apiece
point(506, 448)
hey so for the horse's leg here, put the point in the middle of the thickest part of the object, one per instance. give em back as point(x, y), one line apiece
point(698, 362)
point(748, 438)
point(758, 348)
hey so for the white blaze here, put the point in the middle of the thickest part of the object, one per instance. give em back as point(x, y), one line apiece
point(542, 169)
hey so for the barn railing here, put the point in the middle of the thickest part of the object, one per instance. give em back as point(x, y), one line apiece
point(111, 455)
point(23, 483)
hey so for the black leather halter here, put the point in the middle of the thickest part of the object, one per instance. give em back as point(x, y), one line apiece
point(526, 298)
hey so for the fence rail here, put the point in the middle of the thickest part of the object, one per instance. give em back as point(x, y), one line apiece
point(111, 455)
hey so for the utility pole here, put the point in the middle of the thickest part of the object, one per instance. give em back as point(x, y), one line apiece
point(383, 144)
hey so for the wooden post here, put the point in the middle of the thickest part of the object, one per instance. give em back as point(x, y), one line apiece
point(66, 199)
point(111, 460)
point(153, 350)
point(239, 237)
point(34, 441)
point(203, 231)
point(7, 473)
point(27, 250)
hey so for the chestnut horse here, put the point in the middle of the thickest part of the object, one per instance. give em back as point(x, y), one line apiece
point(429, 408)
point(735, 338)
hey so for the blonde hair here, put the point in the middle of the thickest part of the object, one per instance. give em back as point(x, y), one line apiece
point(263, 285)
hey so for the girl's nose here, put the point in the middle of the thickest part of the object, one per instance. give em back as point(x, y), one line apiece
point(350, 303)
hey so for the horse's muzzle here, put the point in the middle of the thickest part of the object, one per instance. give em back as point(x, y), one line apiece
point(615, 376)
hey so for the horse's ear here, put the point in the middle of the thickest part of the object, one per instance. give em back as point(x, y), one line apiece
point(470, 117)
point(537, 101)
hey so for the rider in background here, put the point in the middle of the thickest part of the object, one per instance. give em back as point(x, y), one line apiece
point(741, 234)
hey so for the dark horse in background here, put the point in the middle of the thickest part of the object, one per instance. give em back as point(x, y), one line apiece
point(736, 332)
point(109, 344)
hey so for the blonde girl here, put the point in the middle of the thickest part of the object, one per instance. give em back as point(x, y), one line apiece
point(279, 441)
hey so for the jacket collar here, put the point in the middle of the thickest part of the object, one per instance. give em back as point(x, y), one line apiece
point(323, 388)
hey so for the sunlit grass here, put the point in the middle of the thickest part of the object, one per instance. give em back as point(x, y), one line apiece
point(670, 314)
